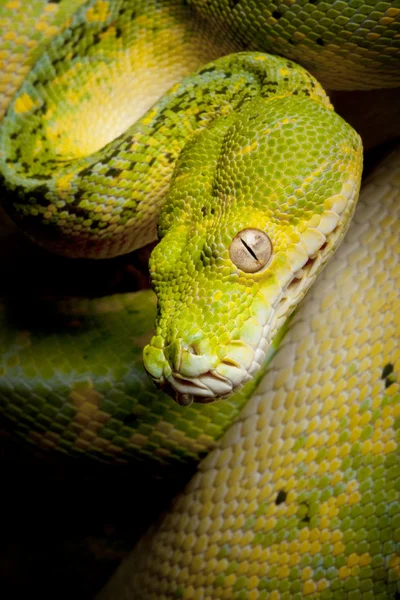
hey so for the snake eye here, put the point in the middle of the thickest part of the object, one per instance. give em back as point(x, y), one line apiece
point(250, 250)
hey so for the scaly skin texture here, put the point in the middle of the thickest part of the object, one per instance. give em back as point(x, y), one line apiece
point(266, 151)
point(271, 166)
point(301, 498)
point(346, 45)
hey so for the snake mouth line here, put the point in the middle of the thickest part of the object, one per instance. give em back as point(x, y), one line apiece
point(203, 389)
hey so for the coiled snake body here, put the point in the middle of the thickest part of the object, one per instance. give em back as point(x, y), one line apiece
point(300, 498)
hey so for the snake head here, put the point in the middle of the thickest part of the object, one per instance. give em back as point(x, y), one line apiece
point(257, 205)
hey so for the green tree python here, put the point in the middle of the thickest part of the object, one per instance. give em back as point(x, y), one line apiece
point(126, 120)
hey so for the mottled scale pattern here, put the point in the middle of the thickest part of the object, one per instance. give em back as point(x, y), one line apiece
point(62, 167)
point(301, 498)
point(110, 63)
point(93, 185)
point(108, 202)
point(351, 44)
point(25, 29)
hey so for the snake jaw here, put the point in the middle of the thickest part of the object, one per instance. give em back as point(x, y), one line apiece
point(189, 377)
point(203, 389)
point(218, 379)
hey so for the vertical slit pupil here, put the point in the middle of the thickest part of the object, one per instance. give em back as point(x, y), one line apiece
point(250, 250)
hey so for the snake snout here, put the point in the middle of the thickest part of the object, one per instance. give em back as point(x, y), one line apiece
point(188, 360)
point(193, 376)
point(188, 375)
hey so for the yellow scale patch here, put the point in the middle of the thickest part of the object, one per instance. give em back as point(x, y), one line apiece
point(98, 12)
point(24, 103)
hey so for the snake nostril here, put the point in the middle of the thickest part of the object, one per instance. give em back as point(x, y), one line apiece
point(193, 349)
point(229, 362)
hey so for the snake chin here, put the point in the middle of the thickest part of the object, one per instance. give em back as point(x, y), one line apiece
point(207, 387)
point(204, 389)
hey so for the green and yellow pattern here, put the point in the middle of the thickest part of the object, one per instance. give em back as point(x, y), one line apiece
point(114, 111)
